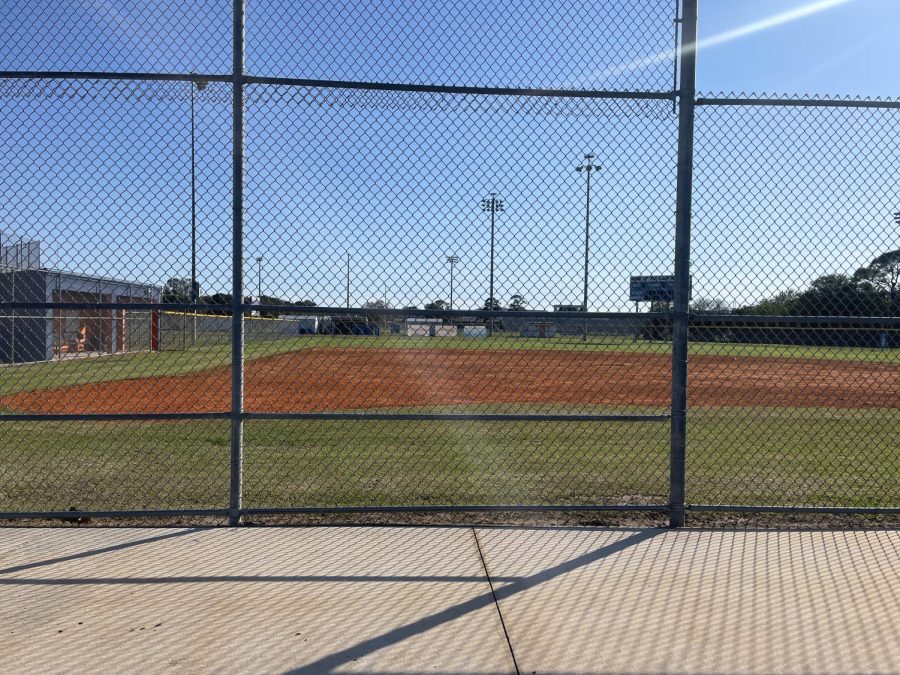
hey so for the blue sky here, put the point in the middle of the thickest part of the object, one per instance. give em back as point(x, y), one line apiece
point(100, 173)
point(848, 49)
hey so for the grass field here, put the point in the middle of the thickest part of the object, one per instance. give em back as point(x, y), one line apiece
point(759, 455)
point(742, 456)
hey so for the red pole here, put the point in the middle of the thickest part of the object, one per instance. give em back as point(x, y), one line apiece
point(154, 330)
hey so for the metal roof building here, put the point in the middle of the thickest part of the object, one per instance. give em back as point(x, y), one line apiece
point(40, 335)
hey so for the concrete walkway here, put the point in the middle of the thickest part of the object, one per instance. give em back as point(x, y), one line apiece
point(448, 600)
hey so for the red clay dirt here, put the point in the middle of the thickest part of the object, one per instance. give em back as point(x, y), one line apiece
point(321, 379)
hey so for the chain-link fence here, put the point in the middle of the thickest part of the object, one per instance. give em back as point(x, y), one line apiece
point(433, 256)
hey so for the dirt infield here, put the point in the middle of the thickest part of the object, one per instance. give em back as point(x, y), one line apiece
point(322, 379)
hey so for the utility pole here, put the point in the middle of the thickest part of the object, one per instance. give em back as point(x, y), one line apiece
point(348, 281)
point(259, 289)
point(492, 205)
point(588, 167)
point(452, 259)
point(196, 86)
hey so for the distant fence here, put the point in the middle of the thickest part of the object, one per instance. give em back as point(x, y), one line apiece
point(182, 330)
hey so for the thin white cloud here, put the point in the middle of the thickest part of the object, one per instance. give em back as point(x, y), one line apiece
point(772, 21)
point(767, 23)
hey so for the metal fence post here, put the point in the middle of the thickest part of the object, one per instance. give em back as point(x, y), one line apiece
point(686, 96)
point(237, 269)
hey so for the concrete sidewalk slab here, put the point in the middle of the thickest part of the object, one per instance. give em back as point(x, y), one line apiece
point(400, 600)
point(587, 600)
point(247, 600)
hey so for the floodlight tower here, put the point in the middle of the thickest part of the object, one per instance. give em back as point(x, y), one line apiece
point(259, 288)
point(492, 205)
point(588, 166)
point(196, 86)
point(348, 281)
point(452, 259)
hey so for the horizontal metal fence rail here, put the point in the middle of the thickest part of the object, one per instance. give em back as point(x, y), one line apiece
point(834, 510)
point(800, 102)
point(343, 416)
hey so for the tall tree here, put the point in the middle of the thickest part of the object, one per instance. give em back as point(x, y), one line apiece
point(177, 290)
point(437, 304)
point(884, 274)
point(837, 295)
point(517, 303)
point(780, 304)
point(492, 304)
point(710, 306)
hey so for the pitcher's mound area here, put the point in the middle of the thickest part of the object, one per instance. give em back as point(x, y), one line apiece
point(316, 380)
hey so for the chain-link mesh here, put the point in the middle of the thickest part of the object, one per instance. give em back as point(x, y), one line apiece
point(163, 36)
point(794, 229)
point(458, 233)
point(562, 44)
point(366, 200)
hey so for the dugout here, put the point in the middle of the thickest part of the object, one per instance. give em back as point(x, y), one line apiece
point(38, 334)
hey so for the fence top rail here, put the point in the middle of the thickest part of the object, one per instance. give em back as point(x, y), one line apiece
point(339, 84)
point(105, 75)
point(796, 101)
point(461, 89)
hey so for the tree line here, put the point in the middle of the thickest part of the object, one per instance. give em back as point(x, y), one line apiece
point(178, 291)
point(871, 291)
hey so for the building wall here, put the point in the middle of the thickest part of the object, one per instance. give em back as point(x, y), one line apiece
point(23, 332)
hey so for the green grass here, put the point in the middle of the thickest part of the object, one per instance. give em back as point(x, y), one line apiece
point(26, 377)
point(739, 456)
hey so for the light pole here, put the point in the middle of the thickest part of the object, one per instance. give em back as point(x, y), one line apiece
point(259, 289)
point(452, 259)
point(894, 300)
point(348, 281)
point(588, 166)
point(492, 205)
point(199, 85)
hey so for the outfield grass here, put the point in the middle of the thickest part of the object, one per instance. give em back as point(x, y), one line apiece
point(52, 374)
point(737, 456)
